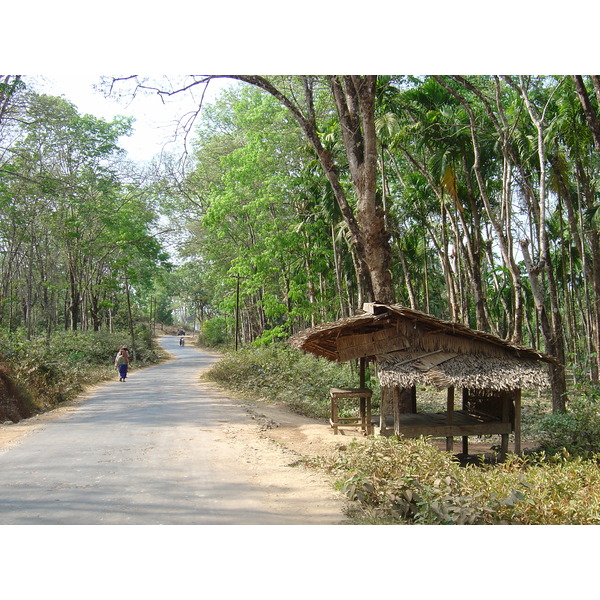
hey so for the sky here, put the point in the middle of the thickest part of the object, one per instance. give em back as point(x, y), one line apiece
point(156, 121)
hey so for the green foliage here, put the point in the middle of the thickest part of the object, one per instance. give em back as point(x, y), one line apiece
point(213, 333)
point(262, 223)
point(146, 350)
point(15, 400)
point(269, 336)
point(411, 481)
point(57, 369)
point(72, 219)
point(281, 374)
point(576, 431)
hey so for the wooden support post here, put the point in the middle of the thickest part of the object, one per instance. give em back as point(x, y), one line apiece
point(465, 406)
point(506, 400)
point(362, 409)
point(450, 418)
point(395, 397)
point(517, 421)
point(383, 406)
point(334, 415)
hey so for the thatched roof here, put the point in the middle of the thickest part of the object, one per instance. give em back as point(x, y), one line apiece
point(406, 369)
point(412, 347)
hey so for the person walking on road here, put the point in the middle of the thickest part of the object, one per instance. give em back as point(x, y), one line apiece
point(122, 362)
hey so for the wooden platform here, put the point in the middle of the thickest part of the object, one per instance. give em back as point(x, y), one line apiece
point(436, 425)
point(481, 415)
point(463, 425)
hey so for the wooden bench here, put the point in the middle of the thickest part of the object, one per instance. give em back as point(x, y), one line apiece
point(363, 420)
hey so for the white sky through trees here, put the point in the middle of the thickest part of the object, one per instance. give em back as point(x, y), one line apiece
point(156, 121)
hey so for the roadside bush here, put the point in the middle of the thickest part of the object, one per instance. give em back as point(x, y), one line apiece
point(578, 429)
point(51, 371)
point(281, 374)
point(407, 481)
point(147, 352)
point(15, 400)
point(411, 481)
point(213, 333)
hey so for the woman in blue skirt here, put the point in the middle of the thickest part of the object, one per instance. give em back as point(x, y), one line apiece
point(122, 362)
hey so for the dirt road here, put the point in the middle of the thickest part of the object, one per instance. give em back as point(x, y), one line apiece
point(165, 448)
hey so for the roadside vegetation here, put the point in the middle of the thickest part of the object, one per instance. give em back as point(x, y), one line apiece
point(41, 373)
point(413, 482)
point(279, 373)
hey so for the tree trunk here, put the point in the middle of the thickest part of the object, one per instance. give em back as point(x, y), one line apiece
point(593, 122)
point(553, 330)
point(552, 337)
point(590, 116)
point(130, 315)
point(75, 301)
point(355, 100)
point(338, 275)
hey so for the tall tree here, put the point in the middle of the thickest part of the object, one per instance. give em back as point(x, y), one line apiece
point(537, 97)
point(589, 199)
point(259, 218)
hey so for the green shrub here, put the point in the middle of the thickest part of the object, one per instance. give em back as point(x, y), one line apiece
point(281, 374)
point(577, 430)
point(271, 335)
point(147, 352)
point(411, 481)
point(56, 369)
point(213, 332)
point(15, 401)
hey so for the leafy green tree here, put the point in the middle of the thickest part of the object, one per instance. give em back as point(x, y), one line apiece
point(72, 212)
point(310, 101)
point(259, 222)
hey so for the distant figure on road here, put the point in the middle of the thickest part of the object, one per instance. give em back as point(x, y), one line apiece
point(181, 332)
point(182, 341)
point(122, 362)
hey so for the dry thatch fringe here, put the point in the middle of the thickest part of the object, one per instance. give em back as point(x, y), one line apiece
point(462, 371)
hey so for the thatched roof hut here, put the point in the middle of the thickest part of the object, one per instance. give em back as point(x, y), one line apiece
point(413, 348)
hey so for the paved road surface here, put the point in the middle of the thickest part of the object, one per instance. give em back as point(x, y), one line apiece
point(151, 450)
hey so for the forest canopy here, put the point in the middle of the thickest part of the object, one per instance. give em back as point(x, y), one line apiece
point(486, 187)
